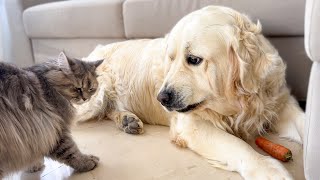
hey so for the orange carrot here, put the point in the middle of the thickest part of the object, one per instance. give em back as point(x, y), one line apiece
point(275, 150)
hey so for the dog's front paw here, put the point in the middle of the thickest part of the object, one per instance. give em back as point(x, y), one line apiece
point(179, 141)
point(132, 125)
point(86, 163)
point(266, 168)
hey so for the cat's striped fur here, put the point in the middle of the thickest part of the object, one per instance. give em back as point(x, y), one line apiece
point(36, 111)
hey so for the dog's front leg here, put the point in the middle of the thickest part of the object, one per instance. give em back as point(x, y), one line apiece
point(291, 121)
point(224, 150)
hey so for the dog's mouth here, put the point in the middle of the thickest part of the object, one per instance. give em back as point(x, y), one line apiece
point(189, 107)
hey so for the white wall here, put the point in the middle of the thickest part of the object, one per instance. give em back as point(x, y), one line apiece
point(1, 45)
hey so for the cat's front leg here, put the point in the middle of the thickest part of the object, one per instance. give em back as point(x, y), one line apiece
point(37, 166)
point(67, 152)
point(1, 174)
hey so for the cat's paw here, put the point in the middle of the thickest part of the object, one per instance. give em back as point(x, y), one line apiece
point(39, 166)
point(132, 124)
point(86, 163)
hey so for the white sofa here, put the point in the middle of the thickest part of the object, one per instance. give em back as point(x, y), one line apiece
point(312, 126)
point(33, 30)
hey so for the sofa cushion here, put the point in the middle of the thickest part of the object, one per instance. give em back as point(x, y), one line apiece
point(312, 27)
point(154, 18)
point(291, 49)
point(75, 18)
point(44, 49)
point(311, 143)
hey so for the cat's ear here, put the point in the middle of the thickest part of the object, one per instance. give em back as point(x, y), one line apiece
point(97, 63)
point(63, 61)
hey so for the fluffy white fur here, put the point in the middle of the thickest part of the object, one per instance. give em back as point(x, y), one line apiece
point(240, 84)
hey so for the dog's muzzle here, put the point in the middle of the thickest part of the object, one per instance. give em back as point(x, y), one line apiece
point(167, 98)
point(170, 99)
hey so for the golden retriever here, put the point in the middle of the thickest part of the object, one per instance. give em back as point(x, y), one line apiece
point(214, 79)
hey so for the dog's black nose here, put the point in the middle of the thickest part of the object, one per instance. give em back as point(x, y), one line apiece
point(166, 97)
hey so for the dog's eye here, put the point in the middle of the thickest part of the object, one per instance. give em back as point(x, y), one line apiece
point(194, 60)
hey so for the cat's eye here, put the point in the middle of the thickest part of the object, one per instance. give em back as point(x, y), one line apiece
point(91, 90)
point(194, 60)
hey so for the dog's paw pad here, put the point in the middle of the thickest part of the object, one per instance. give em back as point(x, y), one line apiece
point(132, 125)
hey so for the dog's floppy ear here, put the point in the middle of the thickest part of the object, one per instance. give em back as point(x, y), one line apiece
point(242, 79)
point(256, 74)
point(250, 63)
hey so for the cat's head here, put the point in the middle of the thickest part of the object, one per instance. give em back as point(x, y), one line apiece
point(76, 80)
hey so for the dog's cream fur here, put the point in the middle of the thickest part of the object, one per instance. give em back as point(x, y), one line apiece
point(240, 84)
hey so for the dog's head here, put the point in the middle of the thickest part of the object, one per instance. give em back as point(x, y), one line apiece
point(214, 56)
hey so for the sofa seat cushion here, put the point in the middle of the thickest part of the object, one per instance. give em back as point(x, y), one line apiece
point(312, 27)
point(44, 49)
point(154, 18)
point(74, 19)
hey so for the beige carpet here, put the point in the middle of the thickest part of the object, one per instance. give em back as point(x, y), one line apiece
point(146, 156)
point(152, 156)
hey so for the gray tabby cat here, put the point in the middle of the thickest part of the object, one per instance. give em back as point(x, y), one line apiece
point(36, 110)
